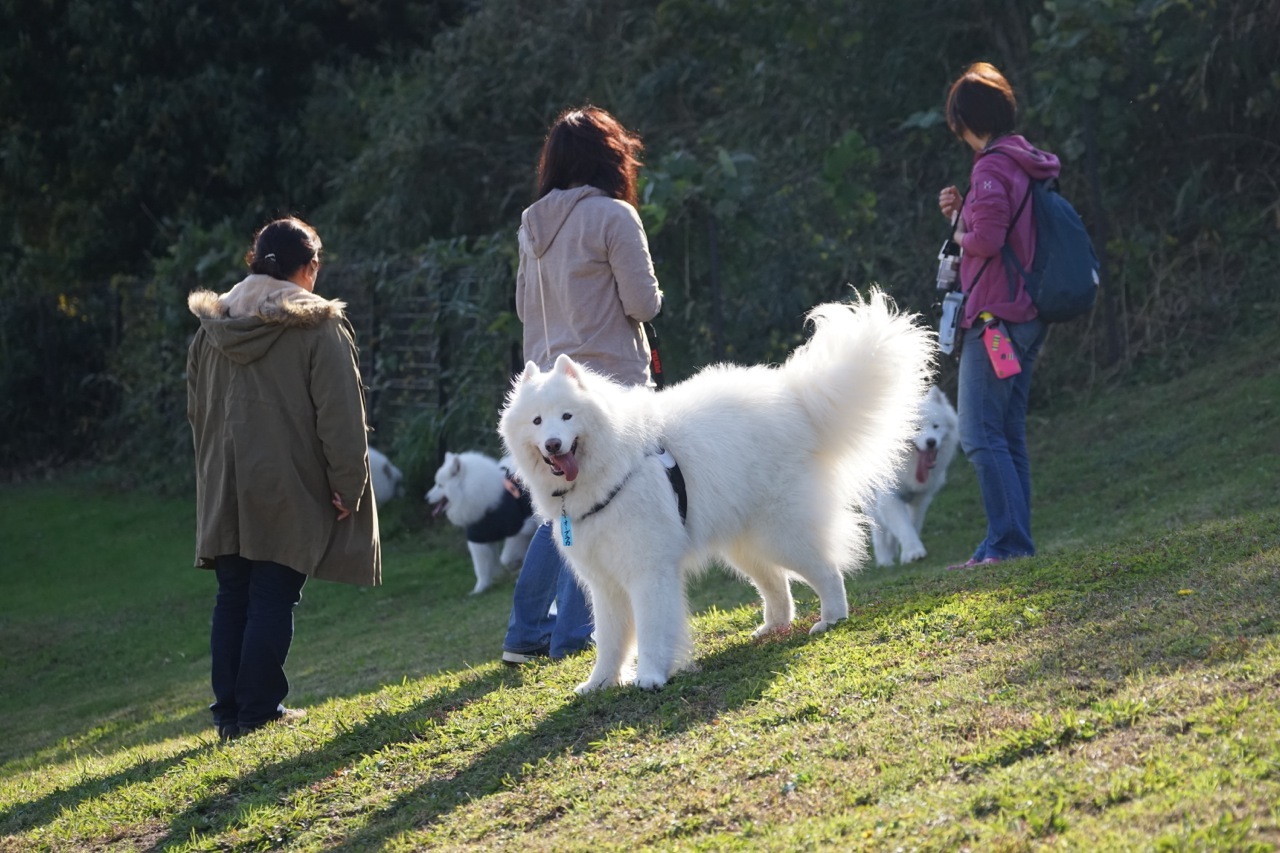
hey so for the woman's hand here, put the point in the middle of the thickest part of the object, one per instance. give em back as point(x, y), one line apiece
point(949, 202)
point(343, 512)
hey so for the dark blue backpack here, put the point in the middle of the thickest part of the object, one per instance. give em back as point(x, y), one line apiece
point(1064, 275)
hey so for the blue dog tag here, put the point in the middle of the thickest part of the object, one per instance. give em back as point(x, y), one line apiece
point(566, 530)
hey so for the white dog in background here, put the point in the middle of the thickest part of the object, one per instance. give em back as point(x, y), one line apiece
point(477, 493)
point(386, 477)
point(899, 509)
point(769, 460)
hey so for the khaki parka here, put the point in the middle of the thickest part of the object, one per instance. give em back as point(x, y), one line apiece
point(277, 414)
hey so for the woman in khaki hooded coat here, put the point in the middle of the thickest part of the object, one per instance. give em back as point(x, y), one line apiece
point(283, 490)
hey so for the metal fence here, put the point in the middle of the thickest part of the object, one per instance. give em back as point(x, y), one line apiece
point(423, 356)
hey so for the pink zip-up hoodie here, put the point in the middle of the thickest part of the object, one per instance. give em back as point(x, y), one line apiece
point(997, 185)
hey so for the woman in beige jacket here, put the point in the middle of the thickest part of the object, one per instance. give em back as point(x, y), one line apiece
point(584, 286)
point(283, 491)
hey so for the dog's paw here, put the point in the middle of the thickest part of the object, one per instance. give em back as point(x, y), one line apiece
point(821, 626)
point(910, 555)
point(649, 682)
point(593, 684)
point(771, 631)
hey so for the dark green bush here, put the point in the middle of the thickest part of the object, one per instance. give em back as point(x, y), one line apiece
point(795, 149)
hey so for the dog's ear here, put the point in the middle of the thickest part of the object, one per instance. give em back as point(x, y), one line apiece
point(454, 461)
point(530, 371)
point(566, 365)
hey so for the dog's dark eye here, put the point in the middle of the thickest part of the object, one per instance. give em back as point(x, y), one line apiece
point(566, 416)
point(537, 421)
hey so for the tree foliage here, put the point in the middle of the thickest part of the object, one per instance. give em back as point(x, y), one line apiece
point(794, 149)
point(122, 126)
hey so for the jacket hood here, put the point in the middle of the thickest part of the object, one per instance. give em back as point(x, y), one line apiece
point(1036, 163)
point(542, 220)
point(245, 321)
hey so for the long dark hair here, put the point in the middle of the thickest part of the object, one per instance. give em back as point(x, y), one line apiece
point(586, 145)
point(283, 247)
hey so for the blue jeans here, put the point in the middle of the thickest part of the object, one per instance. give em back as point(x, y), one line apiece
point(545, 578)
point(250, 638)
point(993, 434)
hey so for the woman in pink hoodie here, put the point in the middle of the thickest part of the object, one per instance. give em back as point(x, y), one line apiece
point(995, 226)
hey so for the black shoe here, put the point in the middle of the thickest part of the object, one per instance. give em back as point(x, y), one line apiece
point(518, 658)
point(288, 717)
point(228, 731)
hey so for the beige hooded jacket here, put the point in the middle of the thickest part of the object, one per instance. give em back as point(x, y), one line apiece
point(585, 283)
point(277, 414)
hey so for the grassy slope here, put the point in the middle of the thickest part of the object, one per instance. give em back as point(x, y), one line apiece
point(1120, 691)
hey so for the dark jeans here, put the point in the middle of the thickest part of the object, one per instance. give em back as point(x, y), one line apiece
point(250, 638)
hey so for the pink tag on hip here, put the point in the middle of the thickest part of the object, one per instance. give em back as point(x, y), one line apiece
point(1004, 358)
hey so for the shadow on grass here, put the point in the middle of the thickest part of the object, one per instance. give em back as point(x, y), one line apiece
point(1097, 589)
point(737, 676)
point(724, 681)
point(26, 815)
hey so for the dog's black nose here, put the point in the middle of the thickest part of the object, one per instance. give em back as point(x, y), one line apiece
point(553, 446)
point(930, 443)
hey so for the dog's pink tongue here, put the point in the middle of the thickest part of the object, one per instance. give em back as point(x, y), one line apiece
point(568, 465)
point(925, 459)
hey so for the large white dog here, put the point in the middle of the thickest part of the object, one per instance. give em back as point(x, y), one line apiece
point(898, 510)
point(768, 463)
point(476, 493)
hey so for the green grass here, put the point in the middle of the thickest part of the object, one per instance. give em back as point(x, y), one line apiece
point(1121, 691)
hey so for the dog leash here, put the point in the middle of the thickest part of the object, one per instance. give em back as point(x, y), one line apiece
point(655, 361)
point(542, 299)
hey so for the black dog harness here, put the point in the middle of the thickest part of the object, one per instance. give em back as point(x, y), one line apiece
point(505, 519)
point(677, 482)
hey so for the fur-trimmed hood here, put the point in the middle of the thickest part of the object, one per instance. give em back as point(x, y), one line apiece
point(247, 320)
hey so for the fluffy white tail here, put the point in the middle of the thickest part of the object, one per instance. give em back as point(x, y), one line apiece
point(861, 377)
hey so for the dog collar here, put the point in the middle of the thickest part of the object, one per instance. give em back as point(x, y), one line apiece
point(604, 503)
point(674, 476)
